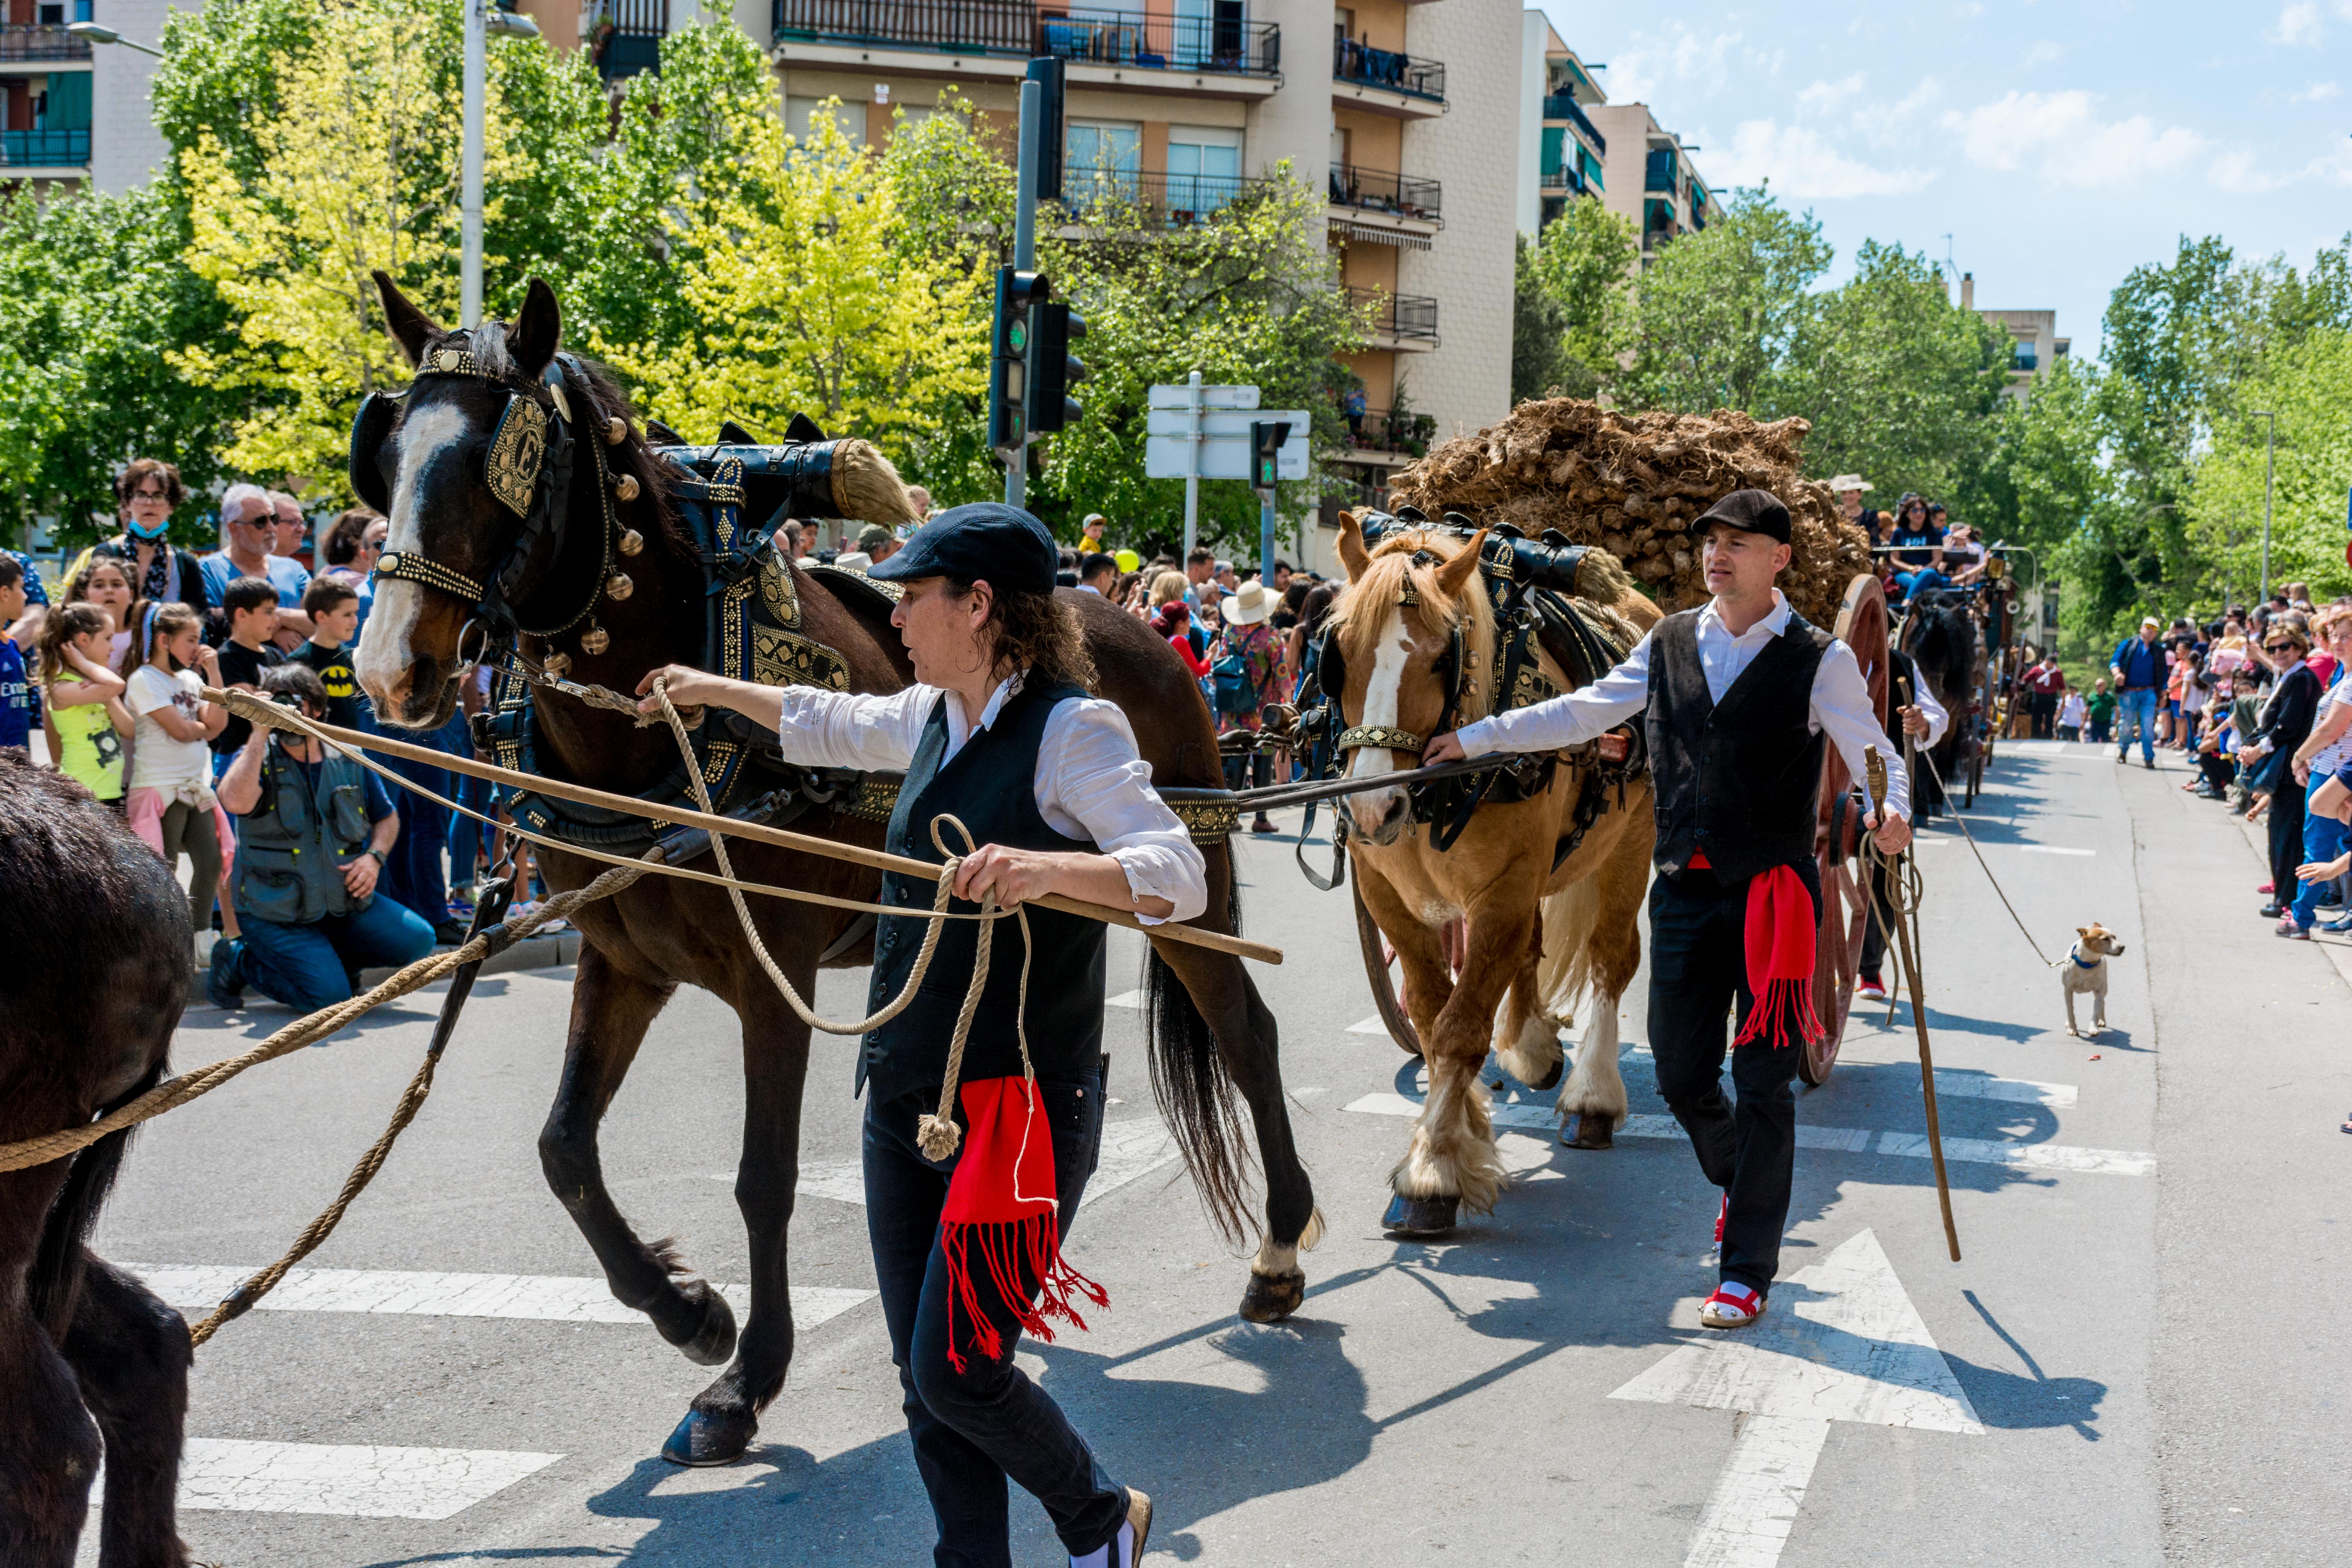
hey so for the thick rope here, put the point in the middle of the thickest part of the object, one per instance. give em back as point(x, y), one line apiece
point(303, 1032)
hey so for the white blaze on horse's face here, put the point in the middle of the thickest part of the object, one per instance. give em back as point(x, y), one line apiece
point(1379, 814)
point(383, 658)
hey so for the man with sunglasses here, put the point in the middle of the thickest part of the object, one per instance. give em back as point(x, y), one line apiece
point(249, 541)
point(2138, 668)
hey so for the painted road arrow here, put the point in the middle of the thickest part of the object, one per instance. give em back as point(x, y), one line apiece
point(1842, 1342)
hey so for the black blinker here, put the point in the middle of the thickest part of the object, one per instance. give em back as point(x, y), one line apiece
point(370, 429)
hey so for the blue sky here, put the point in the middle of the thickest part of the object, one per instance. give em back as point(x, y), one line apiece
point(2059, 145)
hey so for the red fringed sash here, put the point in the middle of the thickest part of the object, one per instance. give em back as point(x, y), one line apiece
point(1001, 1205)
point(1780, 932)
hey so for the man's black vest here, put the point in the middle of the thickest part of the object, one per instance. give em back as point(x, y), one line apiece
point(989, 786)
point(1741, 779)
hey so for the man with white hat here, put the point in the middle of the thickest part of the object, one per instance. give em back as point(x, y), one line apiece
point(1247, 674)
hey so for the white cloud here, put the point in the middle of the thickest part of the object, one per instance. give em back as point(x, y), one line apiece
point(2240, 172)
point(1803, 163)
point(2298, 24)
point(2334, 168)
point(1920, 97)
point(1681, 58)
point(2061, 136)
point(1824, 96)
point(2043, 53)
point(2317, 92)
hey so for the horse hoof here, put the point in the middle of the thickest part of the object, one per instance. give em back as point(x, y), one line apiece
point(1593, 1131)
point(1551, 1079)
point(1419, 1217)
point(704, 1440)
point(714, 1343)
point(1273, 1297)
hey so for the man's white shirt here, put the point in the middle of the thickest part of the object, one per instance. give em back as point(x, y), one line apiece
point(1090, 782)
point(1841, 702)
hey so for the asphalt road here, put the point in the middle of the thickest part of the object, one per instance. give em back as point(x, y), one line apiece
point(2135, 1362)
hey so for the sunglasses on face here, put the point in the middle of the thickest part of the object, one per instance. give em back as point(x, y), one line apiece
point(164, 496)
point(2278, 647)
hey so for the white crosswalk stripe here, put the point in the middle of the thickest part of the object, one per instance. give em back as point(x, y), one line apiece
point(365, 1482)
point(1129, 1149)
point(1849, 1140)
point(536, 1298)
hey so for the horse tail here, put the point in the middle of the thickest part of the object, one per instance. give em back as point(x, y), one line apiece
point(55, 1279)
point(1564, 974)
point(1195, 1093)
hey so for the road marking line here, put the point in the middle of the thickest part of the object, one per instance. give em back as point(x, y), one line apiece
point(1847, 1140)
point(1125, 999)
point(1372, 1026)
point(1953, 1084)
point(2051, 850)
point(361, 1481)
point(1848, 1346)
point(1129, 1149)
point(533, 1298)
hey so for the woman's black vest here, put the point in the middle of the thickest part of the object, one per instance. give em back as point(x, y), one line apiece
point(1740, 779)
point(991, 787)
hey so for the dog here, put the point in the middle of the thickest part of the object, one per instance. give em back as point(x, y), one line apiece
point(2085, 969)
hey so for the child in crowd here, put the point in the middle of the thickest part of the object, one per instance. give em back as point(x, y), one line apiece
point(2073, 711)
point(82, 701)
point(170, 799)
point(103, 582)
point(333, 606)
point(2101, 709)
point(19, 626)
point(251, 605)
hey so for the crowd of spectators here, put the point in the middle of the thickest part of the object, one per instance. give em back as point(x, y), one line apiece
point(2258, 702)
point(1914, 547)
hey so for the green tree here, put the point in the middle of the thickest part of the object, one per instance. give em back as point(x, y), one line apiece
point(93, 295)
point(1719, 311)
point(2308, 385)
point(1540, 361)
point(1900, 381)
point(1576, 282)
point(1248, 293)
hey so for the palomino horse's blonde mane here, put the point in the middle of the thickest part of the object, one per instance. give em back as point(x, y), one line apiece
point(1362, 610)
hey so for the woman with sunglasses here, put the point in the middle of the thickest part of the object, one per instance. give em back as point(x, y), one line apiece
point(1918, 542)
point(2283, 726)
point(147, 492)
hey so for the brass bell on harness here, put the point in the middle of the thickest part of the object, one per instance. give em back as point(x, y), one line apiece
point(626, 488)
point(631, 542)
point(594, 640)
point(618, 587)
point(617, 430)
point(558, 665)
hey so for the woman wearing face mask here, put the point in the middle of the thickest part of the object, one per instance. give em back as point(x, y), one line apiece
point(149, 491)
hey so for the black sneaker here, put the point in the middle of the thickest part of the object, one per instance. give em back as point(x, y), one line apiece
point(223, 981)
point(449, 933)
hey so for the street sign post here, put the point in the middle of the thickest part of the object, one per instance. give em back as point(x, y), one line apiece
point(1175, 414)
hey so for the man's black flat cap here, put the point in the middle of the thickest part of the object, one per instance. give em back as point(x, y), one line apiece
point(980, 540)
point(1754, 511)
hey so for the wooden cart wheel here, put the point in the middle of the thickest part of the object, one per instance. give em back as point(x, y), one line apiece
point(1384, 992)
point(1862, 626)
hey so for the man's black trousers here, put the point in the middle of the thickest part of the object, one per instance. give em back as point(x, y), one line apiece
point(1698, 974)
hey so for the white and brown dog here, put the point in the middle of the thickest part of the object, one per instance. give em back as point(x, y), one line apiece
point(2086, 970)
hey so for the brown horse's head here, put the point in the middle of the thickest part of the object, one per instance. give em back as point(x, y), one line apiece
point(1414, 627)
point(425, 457)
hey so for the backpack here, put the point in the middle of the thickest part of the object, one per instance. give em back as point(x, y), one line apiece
point(1229, 685)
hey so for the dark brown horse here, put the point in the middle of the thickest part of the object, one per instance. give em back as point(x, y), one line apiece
point(1212, 1035)
point(93, 977)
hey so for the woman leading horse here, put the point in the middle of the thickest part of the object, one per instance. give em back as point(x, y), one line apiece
point(999, 732)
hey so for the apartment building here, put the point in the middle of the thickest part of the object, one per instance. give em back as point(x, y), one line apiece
point(2035, 347)
point(1562, 154)
point(1649, 176)
point(45, 91)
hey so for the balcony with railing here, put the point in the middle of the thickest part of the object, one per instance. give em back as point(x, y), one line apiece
point(45, 149)
point(1658, 170)
point(40, 41)
point(1378, 191)
point(1562, 181)
point(1150, 199)
point(1020, 29)
point(1363, 66)
point(624, 37)
point(1563, 106)
point(1396, 321)
point(1385, 433)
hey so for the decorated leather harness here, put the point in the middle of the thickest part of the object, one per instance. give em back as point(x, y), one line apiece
point(1532, 586)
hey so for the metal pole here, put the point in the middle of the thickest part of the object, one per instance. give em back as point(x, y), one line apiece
point(1265, 539)
point(470, 273)
point(1024, 254)
point(2270, 454)
point(1193, 454)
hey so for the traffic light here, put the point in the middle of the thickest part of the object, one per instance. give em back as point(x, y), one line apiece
point(1267, 437)
point(1046, 71)
point(1008, 371)
point(1053, 369)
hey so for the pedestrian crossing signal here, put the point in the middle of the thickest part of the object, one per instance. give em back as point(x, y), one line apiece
point(1008, 369)
point(1053, 369)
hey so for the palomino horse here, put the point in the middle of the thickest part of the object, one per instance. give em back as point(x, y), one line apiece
point(1544, 934)
point(93, 989)
point(1212, 1032)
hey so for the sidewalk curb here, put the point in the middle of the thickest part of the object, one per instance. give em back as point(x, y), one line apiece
point(530, 955)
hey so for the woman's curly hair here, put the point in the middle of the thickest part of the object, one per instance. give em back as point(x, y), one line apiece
point(1035, 632)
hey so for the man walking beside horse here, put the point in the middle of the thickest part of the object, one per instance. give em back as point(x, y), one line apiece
point(1740, 696)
